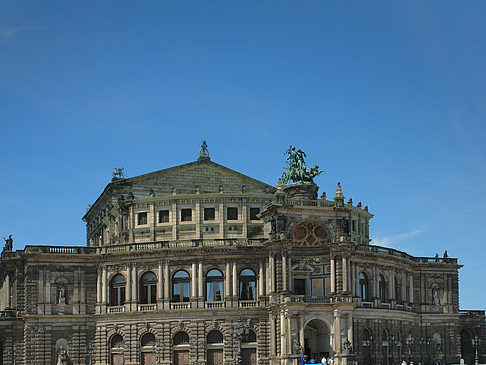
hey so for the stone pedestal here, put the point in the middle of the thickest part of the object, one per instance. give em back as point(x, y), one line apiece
point(304, 191)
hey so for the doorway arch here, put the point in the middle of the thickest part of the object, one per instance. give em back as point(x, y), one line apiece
point(466, 347)
point(317, 339)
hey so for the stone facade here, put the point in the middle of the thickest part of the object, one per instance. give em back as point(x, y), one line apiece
point(201, 263)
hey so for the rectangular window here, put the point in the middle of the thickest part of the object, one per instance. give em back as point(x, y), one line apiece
point(299, 286)
point(186, 215)
point(317, 287)
point(209, 214)
point(163, 216)
point(253, 213)
point(142, 218)
point(232, 214)
point(354, 226)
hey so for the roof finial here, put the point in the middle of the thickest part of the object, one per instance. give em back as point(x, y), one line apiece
point(203, 152)
point(339, 192)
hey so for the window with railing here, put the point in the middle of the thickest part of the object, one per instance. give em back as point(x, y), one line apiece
point(117, 290)
point(247, 285)
point(180, 286)
point(148, 288)
point(214, 285)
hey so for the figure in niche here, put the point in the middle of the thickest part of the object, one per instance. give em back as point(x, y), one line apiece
point(345, 226)
point(278, 226)
point(435, 296)
point(62, 294)
point(62, 357)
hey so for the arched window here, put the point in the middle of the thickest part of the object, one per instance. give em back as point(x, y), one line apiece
point(363, 287)
point(148, 339)
point(148, 288)
point(117, 342)
point(215, 337)
point(148, 353)
point(367, 346)
point(247, 285)
point(117, 290)
point(117, 349)
point(382, 288)
point(181, 338)
point(214, 286)
point(250, 337)
point(180, 286)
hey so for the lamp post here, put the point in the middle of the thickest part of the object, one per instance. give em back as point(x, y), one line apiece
point(392, 344)
point(369, 344)
point(90, 351)
point(409, 341)
point(298, 349)
point(476, 342)
point(13, 352)
point(238, 330)
point(159, 347)
point(195, 343)
point(426, 342)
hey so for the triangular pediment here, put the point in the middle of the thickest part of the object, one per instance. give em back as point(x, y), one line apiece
point(207, 176)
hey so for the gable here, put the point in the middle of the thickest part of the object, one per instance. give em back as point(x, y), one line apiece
point(207, 175)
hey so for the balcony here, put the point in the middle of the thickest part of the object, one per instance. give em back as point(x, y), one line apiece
point(309, 299)
point(180, 306)
point(248, 303)
point(147, 307)
point(116, 309)
point(211, 305)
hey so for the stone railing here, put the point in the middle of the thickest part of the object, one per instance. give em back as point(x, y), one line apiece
point(147, 307)
point(180, 305)
point(219, 304)
point(159, 245)
point(70, 250)
point(8, 313)
point(309, 299)
point(472, 312)
point(396, 253)
point(248, 303)
point(116, 309)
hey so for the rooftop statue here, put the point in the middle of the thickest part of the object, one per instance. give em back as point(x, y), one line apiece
point(118, 173)
point(203, 152)
point(296, 169)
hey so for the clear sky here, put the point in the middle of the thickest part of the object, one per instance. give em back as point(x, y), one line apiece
point(387, 97)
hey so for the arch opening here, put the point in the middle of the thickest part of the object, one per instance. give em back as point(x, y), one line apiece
point(317, 340)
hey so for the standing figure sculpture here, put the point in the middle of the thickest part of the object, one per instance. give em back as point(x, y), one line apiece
point(8, 243)
point(296, 169)
point(62, 357)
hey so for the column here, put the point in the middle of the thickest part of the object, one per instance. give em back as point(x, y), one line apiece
point(131, 230)
point(200, 279)
point(337, 332)
point(404, 287)
point(221, 218)
point(345, 274)
point(166, 281)
point(129, 284)
point(104, 286)
point(193, 280)
point(284, 271)
point(134, 288)
point(151, 219)
point(283, 334)
point(271, 266)
point(160, 286)
point(227, 280)
point(391, 285)
point(261, 281)
point(375, 282)
point(411, 288)
point(173, 219)
point(356, 279)
point(350, 328)
point(291, 280)
point(235, 280)
point(197, 217)
point(333, 276)
point(98, 287)
point(244, 218)
point(273, 350)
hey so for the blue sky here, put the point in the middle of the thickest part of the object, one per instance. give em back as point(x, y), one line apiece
point(387, 97)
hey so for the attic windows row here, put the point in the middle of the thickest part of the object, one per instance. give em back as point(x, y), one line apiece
point(209, 214)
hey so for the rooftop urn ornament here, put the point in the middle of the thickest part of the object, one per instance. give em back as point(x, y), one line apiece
point(203, 152)
point(339, 197)
point(297, 172)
